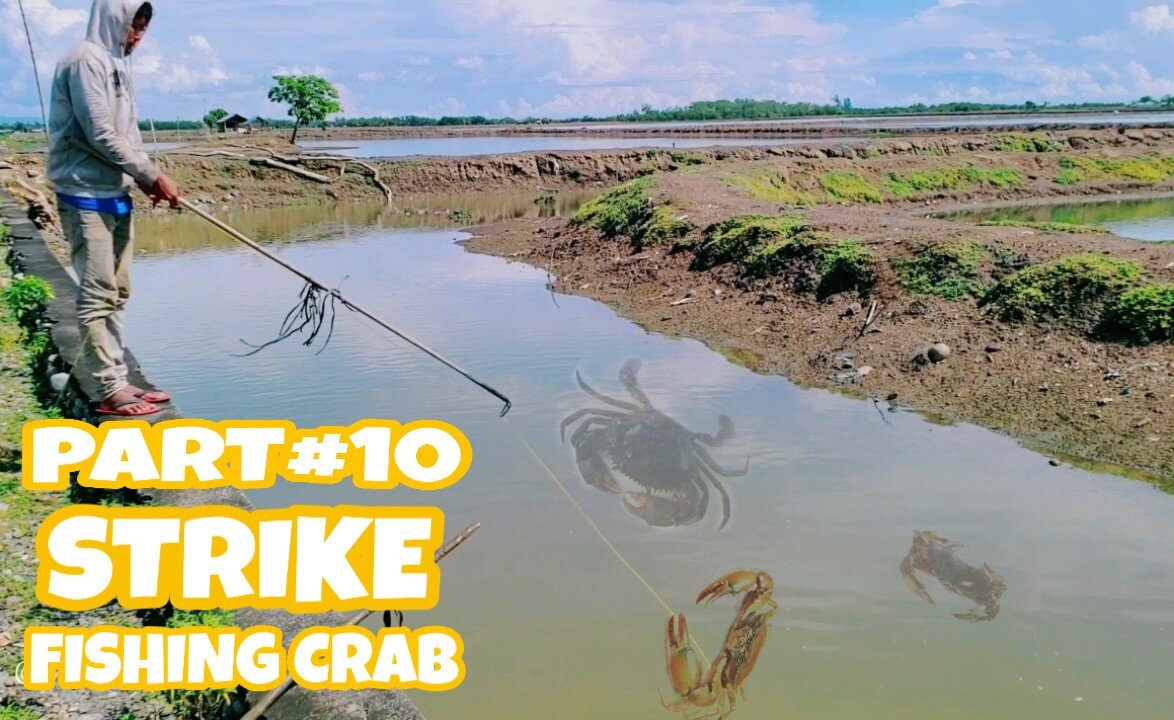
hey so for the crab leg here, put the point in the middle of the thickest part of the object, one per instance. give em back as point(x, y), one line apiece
point(706, 458)
point(628, 378)
point(704, 472)
point(579, 414)
point(909, 575)
point(724, 433)
point(604, 398)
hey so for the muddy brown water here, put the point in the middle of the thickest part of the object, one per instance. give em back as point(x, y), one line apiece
point(555, 625)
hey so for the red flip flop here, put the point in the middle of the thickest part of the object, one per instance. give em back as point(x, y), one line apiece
point(155, 397)
point(121, 409)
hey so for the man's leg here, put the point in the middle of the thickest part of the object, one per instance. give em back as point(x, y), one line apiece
point(91, 236)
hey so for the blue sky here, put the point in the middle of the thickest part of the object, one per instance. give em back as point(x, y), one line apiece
point(562, 58)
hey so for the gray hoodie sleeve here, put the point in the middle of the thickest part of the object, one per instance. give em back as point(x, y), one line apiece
point(87, 89)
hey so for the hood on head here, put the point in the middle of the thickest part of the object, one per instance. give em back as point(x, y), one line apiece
point(109, 22)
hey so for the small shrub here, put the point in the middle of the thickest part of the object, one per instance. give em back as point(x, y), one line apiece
point(460, 215)
point(738, 238)
point(1142, 315)
point(847, 265)
point(849, 187)
point(629, 211)
point(1073, 289)
point(618, 211)
point(948, 269)
point(28, 297)
point(5, 234)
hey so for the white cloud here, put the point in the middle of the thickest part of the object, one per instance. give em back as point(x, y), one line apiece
point(193, 68)
point(419, 60)
point(1154, 19)
point(1144, 83)
point(372, 76)
point(475, 63)
point(970, 57)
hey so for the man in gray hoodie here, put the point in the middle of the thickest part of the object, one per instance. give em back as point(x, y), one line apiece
point(93, 110)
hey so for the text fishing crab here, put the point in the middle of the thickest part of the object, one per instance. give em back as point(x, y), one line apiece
point(660, 468)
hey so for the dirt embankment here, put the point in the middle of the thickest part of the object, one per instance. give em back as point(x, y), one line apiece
point(1036, 359)
point(831, 271)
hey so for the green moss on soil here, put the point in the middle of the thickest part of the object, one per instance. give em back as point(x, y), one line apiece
point(629, 211)
point(918, 182)
point(849, 187)
point(1026, 144)
point(949, 269)
point(1050, 227)
point(771, 187)
point(1151, 169)
point(1073, 290)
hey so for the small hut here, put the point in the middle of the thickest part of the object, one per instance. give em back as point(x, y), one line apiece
point(233, 123)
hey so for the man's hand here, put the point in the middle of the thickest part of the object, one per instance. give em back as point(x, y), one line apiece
point(163, 189)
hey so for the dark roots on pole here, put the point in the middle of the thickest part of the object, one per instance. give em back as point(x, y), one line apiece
point(315, 310)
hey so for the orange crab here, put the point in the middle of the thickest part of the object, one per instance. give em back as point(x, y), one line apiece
point(713, 694)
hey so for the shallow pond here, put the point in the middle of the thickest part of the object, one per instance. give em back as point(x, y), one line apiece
point(554, 623)
point(503, 145)
point(1148, 220)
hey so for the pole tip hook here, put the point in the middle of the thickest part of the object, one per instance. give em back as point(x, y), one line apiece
point(506, 409)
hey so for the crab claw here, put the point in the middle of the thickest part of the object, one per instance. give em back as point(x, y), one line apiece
point(983, 614)
point(735, 583)
point(683, 675)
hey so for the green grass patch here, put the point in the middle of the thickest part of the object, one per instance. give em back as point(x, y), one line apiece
point(1051, 227)
point(918, 182)
point(629, 211)
point(11, 712)
point(770, 187)
point(750, 241)
point(1142, 315)
point(1151, 169)
point(848, 187)
point(847, 265)
point(1026, 144)
point(1073, 289)
point(949, 269)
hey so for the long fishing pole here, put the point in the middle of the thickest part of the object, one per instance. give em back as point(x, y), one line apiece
point(332, 292)
point(36, 75)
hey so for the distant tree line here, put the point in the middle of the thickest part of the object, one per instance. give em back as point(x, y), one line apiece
point(706, 110)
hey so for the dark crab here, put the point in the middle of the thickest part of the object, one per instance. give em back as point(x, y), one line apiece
point(660, 468)
point(937, 556)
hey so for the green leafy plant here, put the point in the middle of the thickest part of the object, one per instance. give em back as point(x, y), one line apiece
point(1142, 315)
point(310, 99)
point(1026, 144)
point(28, 297)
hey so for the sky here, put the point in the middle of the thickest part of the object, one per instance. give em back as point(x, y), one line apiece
point(560, 58)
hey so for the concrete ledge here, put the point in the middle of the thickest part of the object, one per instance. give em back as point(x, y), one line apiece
point(32, 256)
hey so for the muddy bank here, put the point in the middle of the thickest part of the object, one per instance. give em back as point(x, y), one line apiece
point(1053, 382)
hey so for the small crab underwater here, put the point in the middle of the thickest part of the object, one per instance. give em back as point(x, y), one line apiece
point(660, 468)
point(937, 556)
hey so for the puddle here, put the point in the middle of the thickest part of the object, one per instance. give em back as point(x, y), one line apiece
point(823, 495)
point(1147, 220)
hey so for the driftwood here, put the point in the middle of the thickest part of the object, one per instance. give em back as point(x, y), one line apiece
point(289, 163)
point(270, 162)
point(271, 697)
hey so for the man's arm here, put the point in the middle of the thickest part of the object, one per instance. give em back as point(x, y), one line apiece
point(87, 89)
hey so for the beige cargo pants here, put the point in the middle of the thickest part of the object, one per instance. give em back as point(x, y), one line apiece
point(101, 247)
